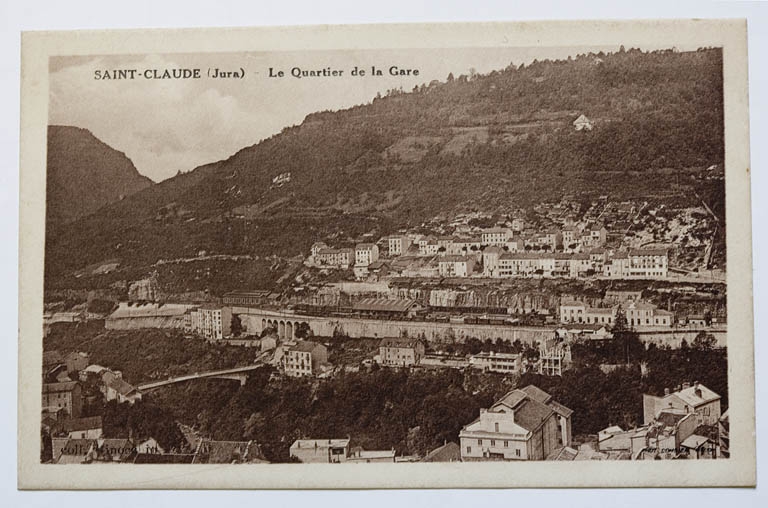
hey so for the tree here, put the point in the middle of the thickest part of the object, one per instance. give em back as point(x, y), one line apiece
point(704, 342)
point(302, 330)
point(236, 326)
point(620, 322)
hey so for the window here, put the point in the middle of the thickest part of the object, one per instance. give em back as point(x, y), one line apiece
point(480, 442)
point(493, 442)
point(469, 449)
point(517, 452)
point(496, 426)
point(506, 444)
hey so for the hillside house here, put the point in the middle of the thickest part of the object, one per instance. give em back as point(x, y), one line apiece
point(582, 123)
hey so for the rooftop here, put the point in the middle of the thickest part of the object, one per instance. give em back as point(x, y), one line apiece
point(59, 387)
point(319, 443)
point(75, 424)
point(449, 452)
point(696, 395)
point(382, 305)
point(399, 342)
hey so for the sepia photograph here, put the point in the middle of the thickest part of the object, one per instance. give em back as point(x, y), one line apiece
point(503, 259)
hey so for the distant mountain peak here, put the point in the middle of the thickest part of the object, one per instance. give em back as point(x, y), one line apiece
point(84, 174)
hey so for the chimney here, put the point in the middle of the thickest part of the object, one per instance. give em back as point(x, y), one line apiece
point(686, 385)
point(666, 391)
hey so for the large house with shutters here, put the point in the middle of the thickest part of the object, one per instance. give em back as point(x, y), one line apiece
point(525, 424)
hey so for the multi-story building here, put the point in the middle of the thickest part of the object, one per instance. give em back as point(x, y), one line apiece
point(491, 257)
point(648, 263)
point(489, 361)
point(594, 236)
point(304, 358)
point(428, 246)
point(401, 351)
point(495, 236)
point(640, 314)
point(444, 244)
point(215, 321)
point(552, 238)
point(66, 396)
point(581, 264)
point(525, 424)
point(398, 245)
point(366, 253)
point(525, 264)
point(518, 224)
point(570, 236)
point(456, 266)
point(339, 258)
point(637, 264)
point(690, 398)
point(554, 357)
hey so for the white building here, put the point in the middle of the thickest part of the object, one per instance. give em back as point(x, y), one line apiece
point(215, 321)
point(398, 245)
point(489, 361)
point(456, 266)
point(339, 258)
point(304, 358)
point(496, 236)
point(525, 424)
point(366, 253)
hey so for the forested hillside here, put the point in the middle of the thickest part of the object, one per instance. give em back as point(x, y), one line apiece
point(472, 142)
point(84, 174)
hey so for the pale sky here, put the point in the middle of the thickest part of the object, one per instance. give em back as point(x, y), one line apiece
point(165, 126)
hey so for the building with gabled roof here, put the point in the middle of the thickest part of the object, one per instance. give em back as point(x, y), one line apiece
point(79, 428)
point(522, 425)
point(67, 396)
point(116, 388)
point(304, 358)
point(324, 451)
point(691, 398)
point(401, 351)
point(449, 452)
point(582, 123)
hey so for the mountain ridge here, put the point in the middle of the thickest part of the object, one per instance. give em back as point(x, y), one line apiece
point(472, 142)
point(85, 174)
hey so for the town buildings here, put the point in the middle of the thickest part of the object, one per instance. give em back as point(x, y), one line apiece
point(67, 396)
point(115, 388)
point(554, 357)
point(401, 351)
point(490, 361)
point(690, 398)
point(672, 427)
point(366, 253)
point(337, 258)
point(213, 321)
point(398, 245)
point(525, 424)
point(304, 358)
point(496, 236)
point(320, 451)
point(638, 314)
point(456, 266)
point(336, 451)
point(582, 123)
point(131, 316)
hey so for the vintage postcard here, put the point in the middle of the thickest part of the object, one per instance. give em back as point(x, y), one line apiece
point(387, 256)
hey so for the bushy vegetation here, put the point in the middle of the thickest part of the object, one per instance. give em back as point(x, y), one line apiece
point(144, 355)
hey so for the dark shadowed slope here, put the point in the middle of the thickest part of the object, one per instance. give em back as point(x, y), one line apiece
point(85, 174)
